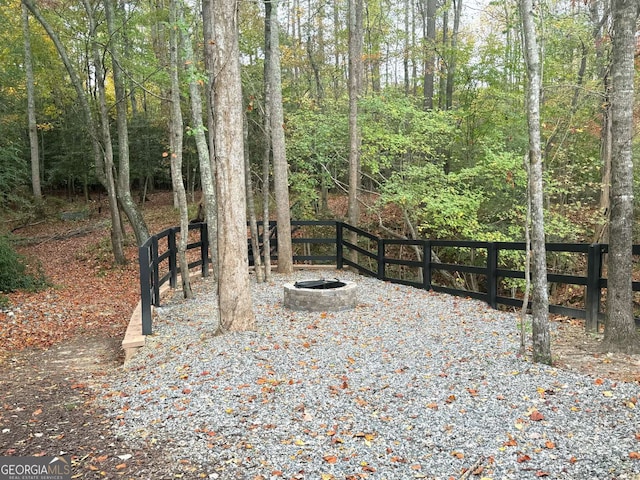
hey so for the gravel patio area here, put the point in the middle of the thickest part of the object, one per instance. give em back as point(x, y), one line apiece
point(409, 384)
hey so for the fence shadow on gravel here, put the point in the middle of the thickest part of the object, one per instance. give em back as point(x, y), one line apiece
point(488, 271)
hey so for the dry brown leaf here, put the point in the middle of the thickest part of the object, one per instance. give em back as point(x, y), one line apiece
point(536, 416)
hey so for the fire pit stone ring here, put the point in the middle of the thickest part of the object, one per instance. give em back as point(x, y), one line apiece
point(320, 296)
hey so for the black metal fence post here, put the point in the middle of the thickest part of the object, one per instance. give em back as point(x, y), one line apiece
point(204, 249)
point(339, 253)
point(155, 272)
point(426, 265)
point(144, 261)
point(380, 258)
point(173, 264)
point(492, 275)
point(592, 300)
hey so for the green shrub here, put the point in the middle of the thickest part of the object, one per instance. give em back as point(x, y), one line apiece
point(14, 274)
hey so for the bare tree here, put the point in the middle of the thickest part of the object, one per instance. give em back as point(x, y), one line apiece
point(234, 295)
point(540, 297)
point(620, 331)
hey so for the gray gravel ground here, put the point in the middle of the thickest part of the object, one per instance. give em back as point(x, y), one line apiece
point(410, 384)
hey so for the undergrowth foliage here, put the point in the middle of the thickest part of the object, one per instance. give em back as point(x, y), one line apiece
point(15, 272)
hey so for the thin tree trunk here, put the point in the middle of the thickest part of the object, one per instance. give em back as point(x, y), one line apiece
point(117, 232)
point(31, 108)
point(405, 57)
point(212, 203)
point(124, 178)
point(527, 262)
point(206, 176)
point(176, 138)
point(451, 67)
point(104, 174)
point(620, 334)
point(444, 60)
point(266, 159)
point(540, 305)
point(233, 279)
point(429, 38)
point(251, 207)
point(280, 166)
point(355, 87)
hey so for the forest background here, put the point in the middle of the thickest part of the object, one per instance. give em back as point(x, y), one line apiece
point(442, 109)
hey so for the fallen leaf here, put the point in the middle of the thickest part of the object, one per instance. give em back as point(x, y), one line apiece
point(37, 412)
point(634, 455)
point(549, 444)
point(121, 466)
point(541, 473)
point(598, 381)
point(536, 416)
point(330, 459)
point(512, 442)
point(523, 458)
point(607, 393)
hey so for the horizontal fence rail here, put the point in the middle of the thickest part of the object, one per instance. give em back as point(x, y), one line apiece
point(340, 244)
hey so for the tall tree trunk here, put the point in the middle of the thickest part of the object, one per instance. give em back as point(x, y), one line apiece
point(428, 12)
point(451, 67)
point(540, 298)
point(405, 56)
point(620, 332)
point(355, 87)
point(175, 141)
point(233, 278)
point(444, 60)
point(251, 207)
point(337, 74)
point(266, 158)
point(202, 146)
point(599, 20)
point(103, 172)
point(124, 178)
point(31, 108)
point(212, 202)
point(117, 232)
point(280, 166)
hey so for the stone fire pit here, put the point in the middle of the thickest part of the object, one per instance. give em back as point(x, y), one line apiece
point(320, 295)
